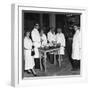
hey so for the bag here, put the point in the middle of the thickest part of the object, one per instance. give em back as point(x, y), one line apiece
point(32, 52)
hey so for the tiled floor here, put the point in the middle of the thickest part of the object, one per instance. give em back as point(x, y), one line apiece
point(55, 70)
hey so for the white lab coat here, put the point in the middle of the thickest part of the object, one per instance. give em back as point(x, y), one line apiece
point(60, 38)
point(43, 40)
point(36, 41)
point(51, 37)
point(76, 46)
point(29, 60)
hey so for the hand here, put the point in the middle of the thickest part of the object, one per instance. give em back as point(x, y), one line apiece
point(33, 47)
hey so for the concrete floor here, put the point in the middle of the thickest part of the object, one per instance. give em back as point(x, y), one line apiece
point(55, 70)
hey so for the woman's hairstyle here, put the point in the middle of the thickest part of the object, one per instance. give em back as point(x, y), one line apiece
point(30, 34)
point(27, 32)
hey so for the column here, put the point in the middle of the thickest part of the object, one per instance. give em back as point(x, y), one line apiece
point(41, 19)
point(52, 20)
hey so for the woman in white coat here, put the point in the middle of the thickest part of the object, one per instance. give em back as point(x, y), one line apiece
point(29, 60)
point(76, 49)
point(60, 38)
point(36, 41)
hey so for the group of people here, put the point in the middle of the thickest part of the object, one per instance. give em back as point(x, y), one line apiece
point(41, 39)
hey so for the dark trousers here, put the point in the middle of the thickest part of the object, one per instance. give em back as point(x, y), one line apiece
point(76, 64)
point(37, 63)
point(52, 58)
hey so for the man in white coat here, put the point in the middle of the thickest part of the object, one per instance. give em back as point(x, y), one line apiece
point(76, 49)
point(51, 36)
point(60, 38)
point(52, 40)
point(36, 41)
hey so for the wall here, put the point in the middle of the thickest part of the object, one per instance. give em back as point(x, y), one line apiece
point(5, 38)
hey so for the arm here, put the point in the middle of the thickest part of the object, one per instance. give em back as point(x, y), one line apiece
point(63, 41)
point(45, 40)
point(33, 36)
point(48, 36)
point(27, 44)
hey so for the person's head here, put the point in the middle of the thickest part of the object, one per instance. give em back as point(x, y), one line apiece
point(52, 29)
point(59, 30)
point(42, 32)
point(27, 34)
point(75, 27)
point(36, 26)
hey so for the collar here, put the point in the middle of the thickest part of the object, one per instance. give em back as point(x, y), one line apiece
point(35, 29)
point(52, 33)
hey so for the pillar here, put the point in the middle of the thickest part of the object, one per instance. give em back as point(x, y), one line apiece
point(52, 21)
point(41, 19)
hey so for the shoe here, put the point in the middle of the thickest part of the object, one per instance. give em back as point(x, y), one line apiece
point(25, 70)
point(35, 75)
point(28, 72)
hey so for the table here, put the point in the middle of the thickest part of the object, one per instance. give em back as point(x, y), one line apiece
point(44, 51)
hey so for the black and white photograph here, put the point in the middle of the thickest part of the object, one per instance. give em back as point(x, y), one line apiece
point(47, 43)
point(51, 43)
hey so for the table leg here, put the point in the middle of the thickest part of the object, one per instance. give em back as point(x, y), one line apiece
point(40, 62)
point(54, 59)
point(59, 60)
point(45, 61)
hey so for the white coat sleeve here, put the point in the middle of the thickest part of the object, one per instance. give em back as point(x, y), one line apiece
point(63, 40)
point(45, 39)
point(33, 35)
point(49, 37)
point(25, 45)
